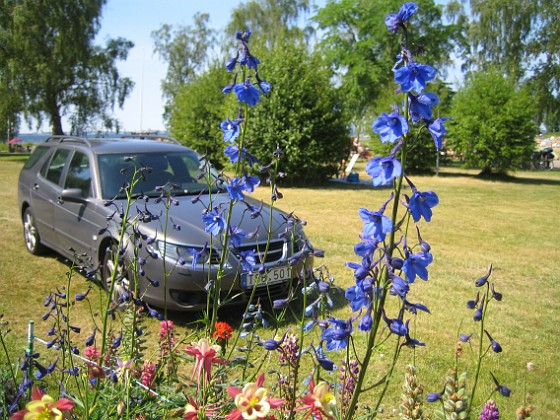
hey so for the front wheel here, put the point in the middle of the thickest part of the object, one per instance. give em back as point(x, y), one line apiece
point(114, 269)
point(31, 235)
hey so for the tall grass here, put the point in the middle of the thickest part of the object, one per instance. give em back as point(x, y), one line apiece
point(509, 223)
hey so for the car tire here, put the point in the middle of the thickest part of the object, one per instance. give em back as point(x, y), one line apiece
point(31, 234)
point(121, 290)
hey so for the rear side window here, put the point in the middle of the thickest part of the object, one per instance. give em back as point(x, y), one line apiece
point(53, 171)
point(79, 175)
point(35, 156)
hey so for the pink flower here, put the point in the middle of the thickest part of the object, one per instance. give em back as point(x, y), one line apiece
point(148, 374)
point(319, 402)
point(43, 406)
point(92, 353)
point(204, 353)
point(252, 402)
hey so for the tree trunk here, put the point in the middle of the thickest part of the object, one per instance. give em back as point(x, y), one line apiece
point(56, 122)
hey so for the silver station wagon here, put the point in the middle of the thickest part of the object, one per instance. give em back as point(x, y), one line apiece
point(72, 198)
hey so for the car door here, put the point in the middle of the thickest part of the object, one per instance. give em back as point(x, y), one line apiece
point(44, 196)
point(76, 219)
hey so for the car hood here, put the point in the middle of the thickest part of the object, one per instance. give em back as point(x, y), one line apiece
point(185, 224)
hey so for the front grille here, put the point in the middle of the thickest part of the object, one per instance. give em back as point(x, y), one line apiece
point(276, 251)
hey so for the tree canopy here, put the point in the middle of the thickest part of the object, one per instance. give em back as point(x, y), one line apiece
point(54, 66)
point(185, 49)
point(493, 124)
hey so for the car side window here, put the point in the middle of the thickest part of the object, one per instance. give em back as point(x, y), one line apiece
point(78, 174)
point(53, 171)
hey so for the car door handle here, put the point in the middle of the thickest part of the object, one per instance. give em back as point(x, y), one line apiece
point(35, 186)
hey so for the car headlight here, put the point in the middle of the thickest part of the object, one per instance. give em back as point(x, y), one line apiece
point(183, 254)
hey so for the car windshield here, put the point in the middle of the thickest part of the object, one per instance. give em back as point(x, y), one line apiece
point(177, 170)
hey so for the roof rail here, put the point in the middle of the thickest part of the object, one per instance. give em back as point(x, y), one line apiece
point(153, 137)
point(64, 138)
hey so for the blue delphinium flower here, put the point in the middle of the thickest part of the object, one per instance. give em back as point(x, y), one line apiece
point(236, 236)
point(235, 188)
point(390, 127)
point(399, 286)
point(366, 322)
point(376, 224)
point(415, 265)
point(336, 336)
point(414, 76)
point(421, 203)
point(197, 254)
point(396, 325)
point(248, 260)
point(232, 152)
point(214, 222)
point(394, 21)
point(383, 170)
point(273, 344)
point(263, 85)
point(437, 130)
point(484, 279)
point(503, 390)
point(250, 182)
point(360, 294)
point(480, 311)
point(247, 92)
point(496, 348)
point(421, 106)
point(231, 129)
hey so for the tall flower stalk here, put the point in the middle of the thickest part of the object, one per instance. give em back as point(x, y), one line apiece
point(390, 263)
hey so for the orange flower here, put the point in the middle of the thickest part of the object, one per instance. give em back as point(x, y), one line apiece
point(222, 331)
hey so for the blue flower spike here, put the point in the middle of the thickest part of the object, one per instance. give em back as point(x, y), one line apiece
point(394, 21)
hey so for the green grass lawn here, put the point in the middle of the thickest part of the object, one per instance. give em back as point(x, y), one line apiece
point(511, 224)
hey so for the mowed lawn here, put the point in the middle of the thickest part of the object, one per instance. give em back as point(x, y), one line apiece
point(513, 225)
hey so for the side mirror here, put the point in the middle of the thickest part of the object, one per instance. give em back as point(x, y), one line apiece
point(72, 195)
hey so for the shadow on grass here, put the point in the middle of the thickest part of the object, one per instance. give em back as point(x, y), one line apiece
point(512, 179)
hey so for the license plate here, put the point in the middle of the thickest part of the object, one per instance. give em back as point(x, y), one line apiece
point(272, 276)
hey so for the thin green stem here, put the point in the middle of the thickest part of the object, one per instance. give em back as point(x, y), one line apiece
point(481, 353)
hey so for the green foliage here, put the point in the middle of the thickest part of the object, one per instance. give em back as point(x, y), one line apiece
point(275, 21)
point(302, 116)
point(196, 113)
point(57, 70)
point(493, 123)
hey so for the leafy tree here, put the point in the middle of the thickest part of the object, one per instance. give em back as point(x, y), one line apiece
point(302, 116)
point(185, 49)
point(59, 69)
point(493, 123)
point(197, 110)
point(275, 21)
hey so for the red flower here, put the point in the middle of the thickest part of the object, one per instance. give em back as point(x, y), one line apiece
point(222, 331)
